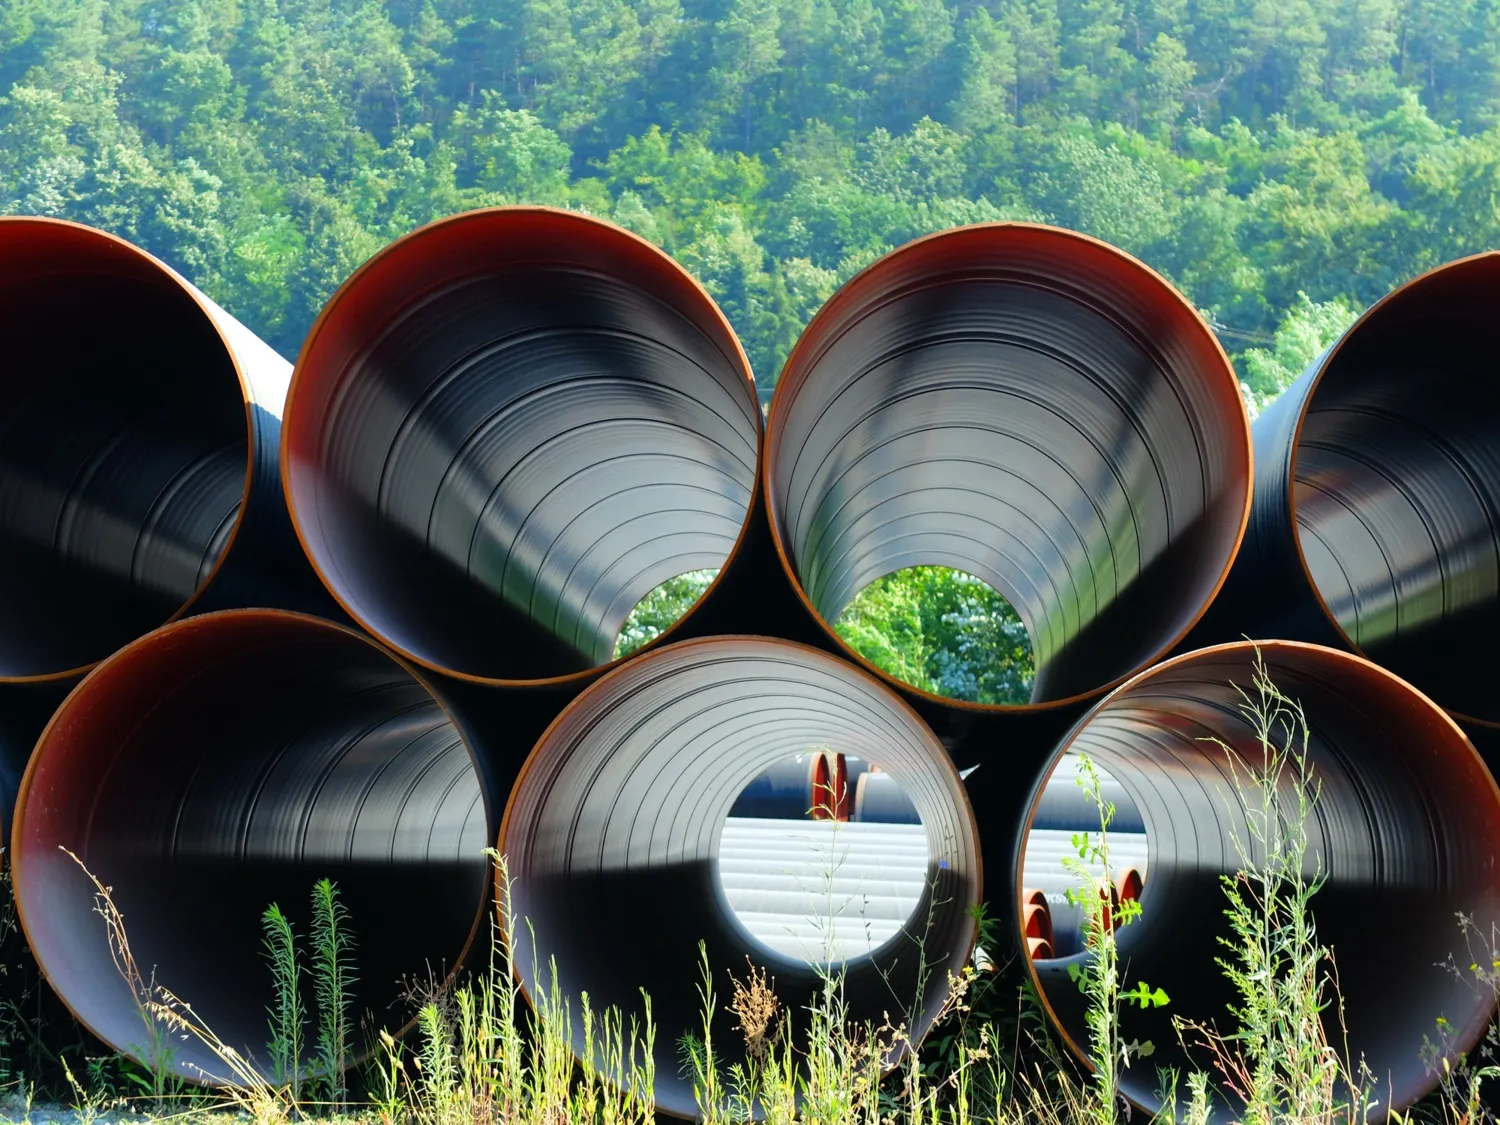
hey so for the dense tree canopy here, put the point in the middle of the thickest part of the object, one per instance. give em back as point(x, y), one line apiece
point(1283, 161)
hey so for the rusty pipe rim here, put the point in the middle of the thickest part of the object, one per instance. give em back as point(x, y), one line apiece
point(990, 252)
point(1148, 734)
point(597, 765)
point(524, 247)
point(93, 253)
point(67, 953)
point(1371, 331)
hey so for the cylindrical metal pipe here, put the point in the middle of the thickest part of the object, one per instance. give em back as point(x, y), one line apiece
point(226, 762)
point(139, 435)
point(507, 428)
point(619, 811)
point(1406, 830)
point(1030, 406)
point(1376, 523)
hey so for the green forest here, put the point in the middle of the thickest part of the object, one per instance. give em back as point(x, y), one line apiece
point(1284, 162)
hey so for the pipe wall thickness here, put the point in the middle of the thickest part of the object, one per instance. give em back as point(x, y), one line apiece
point(1407, 833)
point(226, 762)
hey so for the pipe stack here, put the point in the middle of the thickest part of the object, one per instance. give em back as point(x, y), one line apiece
point(357, 618)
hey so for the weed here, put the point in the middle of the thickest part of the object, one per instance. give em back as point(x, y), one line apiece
point(333, 977)
point(288, 1017)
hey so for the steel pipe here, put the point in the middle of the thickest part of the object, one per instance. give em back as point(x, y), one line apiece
point(139, 431)
point(1406, 829)
point(226, 762)
point(507, 428)
point(619, 811)
point(1376, 523)
point(1030, 406)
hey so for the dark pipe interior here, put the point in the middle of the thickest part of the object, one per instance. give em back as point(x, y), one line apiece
point(122, 447)
point(1397, 485)
point(1407, 829)
point(1033, 408)
point(227, 762)
point(510, 427)
point(612, 832)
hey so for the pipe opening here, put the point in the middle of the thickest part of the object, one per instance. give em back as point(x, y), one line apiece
point(615, 832)
point(662, 608)
point(1067, 808)
point(943, 631)
point(123, 447)
point(227, 762)
point(1397, 487)
point(1030, 407)
point(823, 858)
point(507, 429)
point(1405, 829)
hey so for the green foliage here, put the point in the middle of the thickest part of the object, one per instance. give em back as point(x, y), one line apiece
point(1308, 330)
point(288, 1017)
point(943, 631)
point(333, 977)
point(1250, 149)
point(1099, 975)
point(659, 610)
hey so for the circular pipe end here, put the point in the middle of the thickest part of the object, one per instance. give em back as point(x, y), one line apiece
point(127, 439)
point(612, 833)
point(224, 763)
point(1393, 486)
point(1406, 828)
point(507, 428)
point(1030, 406)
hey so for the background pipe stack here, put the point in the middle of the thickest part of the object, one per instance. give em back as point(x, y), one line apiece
point(509, 426)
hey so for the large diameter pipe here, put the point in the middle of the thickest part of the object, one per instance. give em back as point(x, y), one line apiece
point(509, 426)
point(139, 434)
point(1032, 407)
point(1376, 523)
point(1406, 831)
point(615, 823)
point(226, 762)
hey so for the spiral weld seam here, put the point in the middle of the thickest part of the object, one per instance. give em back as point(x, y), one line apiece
point(138, 480)
point(516, 423)
point(1407, 830)
point(619, 810)
point(1376, 522)
point(347, 767)
point(1030, 406)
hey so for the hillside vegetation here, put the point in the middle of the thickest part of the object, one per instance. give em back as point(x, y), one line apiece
point(1285, 162)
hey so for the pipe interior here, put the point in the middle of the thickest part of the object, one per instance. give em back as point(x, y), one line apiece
point(229, 762)
point(123, 448)
point(1397, 485)
point(1406, 829)
point(614, 829)
point(515, 425)
point(1029, 407)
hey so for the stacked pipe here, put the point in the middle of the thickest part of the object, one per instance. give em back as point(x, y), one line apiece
point(509, 426)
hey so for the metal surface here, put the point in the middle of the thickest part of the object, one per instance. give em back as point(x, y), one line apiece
point(1376, 523)
point(1407, 831)
point(139, 429)
point(508, 427)
point(1029, 406)
point(620, 808)
point(226, 762)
